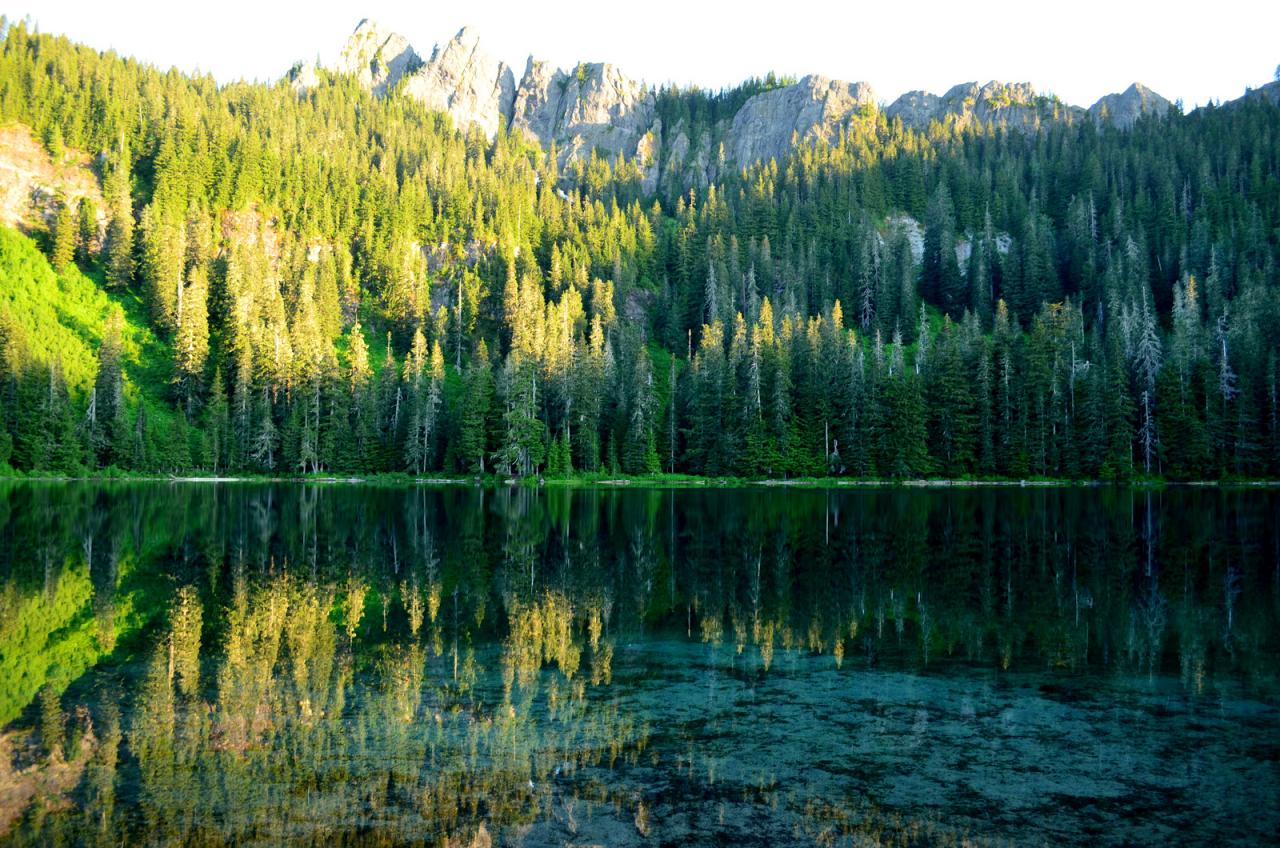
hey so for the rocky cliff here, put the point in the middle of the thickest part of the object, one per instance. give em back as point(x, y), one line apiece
point(1126, 107)
point(32, 181)
point(463, 80)
point(815, 107)
point(1003, 105)
point(376, 58)
point(596, 107)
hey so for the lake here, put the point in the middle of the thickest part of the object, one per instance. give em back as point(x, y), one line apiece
point(198, 664)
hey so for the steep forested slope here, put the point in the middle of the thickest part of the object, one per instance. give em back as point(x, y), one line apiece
point(341, 280)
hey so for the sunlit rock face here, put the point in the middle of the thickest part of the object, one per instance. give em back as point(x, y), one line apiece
point(462, 79)
point(1003, 105)
point(538, 99)
point(595, 108)
point(376, 58)
point(1125, 108)
point(815, 107)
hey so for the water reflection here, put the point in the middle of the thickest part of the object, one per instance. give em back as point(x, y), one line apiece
point(201, 664)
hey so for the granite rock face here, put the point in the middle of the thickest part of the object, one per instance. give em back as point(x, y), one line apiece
point(596, 108)
point(536, 110)
point(376, 58)
point(463, 80)
point(815, 107)
point(1125, 108)
point(303, 76)
point(1269, 93)
point(1003, 105)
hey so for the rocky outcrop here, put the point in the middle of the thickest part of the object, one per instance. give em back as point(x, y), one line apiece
point(536, 110)
point(32, 182)
point(815, 107)
point(463, 80)
point(1269, 93)
point(916, 108)
point(595, 107)
point(688, 164)
point(1019, 106)
point(376, 58)
point(1125, 108)
point(1003, 105)
point(303, 77)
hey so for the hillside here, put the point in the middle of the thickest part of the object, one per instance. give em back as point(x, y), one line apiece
point(61, 317)
point(422, 264)
point(58, 320)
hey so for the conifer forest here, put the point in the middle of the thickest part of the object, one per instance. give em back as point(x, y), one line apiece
point(280, 280)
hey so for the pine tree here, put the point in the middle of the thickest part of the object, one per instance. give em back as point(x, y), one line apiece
point(952, 430)
point(120, 230)
point(191, 341)
point(523, 448)
point(477, 394)
point(64, 238)
point(640, 452)
point(906, 452)
point(107, 416)
point(86, 230)
point(217, 426)
point(940, 280)
point(263, 449)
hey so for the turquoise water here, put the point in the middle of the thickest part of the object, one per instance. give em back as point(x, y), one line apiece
point(266, 664)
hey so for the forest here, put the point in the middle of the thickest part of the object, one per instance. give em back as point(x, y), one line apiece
point(294, 282)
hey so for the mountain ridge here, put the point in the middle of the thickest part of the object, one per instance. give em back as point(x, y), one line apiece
point(597, 107)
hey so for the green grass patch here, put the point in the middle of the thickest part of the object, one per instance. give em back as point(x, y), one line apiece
point(63, 316)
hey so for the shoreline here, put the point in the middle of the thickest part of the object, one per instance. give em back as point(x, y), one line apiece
point(656, 482)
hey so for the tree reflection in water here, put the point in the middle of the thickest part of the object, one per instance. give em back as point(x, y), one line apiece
point(360, 665)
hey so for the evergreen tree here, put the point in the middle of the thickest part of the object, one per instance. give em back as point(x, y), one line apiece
point(119, 248)
point(107, 415)
point(478, 394)
point(63, 250)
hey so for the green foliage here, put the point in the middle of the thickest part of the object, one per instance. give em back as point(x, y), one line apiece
point(287, 265)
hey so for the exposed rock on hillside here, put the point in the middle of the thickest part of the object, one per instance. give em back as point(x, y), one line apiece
point(303, 76)
point(537, 101)
point(1126, 107)
point(815, 107)
point(463, 80)
point(1007, 105)
point(595, 107)
point(31, 181)
point(376, 58)
point(1269, 92)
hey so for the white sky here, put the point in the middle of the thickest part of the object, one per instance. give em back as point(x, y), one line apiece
point(1080, 50)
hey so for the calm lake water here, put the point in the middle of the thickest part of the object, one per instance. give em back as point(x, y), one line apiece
point(354, 665)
